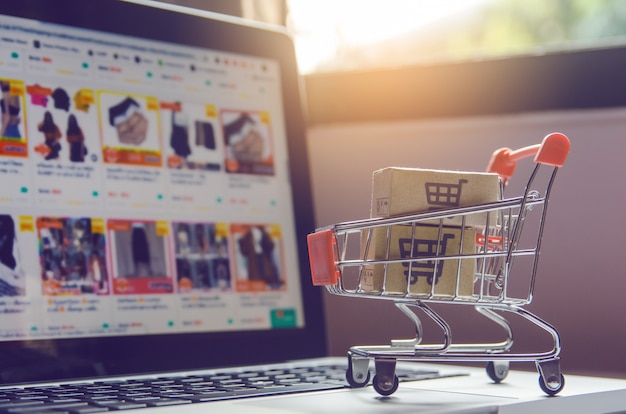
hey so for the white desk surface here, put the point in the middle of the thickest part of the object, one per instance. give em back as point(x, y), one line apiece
point(471, 394)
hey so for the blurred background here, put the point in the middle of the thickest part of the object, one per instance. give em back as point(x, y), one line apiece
point(431, 84)
point(340, 35)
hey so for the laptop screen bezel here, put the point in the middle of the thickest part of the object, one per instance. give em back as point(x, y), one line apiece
point(104, 356)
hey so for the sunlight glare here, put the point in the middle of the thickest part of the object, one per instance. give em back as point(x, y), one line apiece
point(321, 27)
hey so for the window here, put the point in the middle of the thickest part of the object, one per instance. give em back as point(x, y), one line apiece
point(368, 60)
point(338, 35)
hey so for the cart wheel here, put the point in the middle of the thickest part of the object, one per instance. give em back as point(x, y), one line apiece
point(385, 386)
point(497, 372)
point(358, 383)
point(551, 386)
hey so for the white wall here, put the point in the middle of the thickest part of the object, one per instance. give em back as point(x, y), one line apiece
point(581, 288)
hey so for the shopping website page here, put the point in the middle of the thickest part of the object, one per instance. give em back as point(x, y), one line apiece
point(144, 188)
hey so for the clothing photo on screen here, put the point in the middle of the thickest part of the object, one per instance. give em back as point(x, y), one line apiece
point(212, 274)
point(130, 122)
point(183, 240)
point(203, 273)
point(196, 239)
point(202, 261)
point(244, 140)
point(191, 140)
point(179, 137)
point(11, 108)
point(72, 257)
point(61, 99)
point(52, 136)
point(257, 247)
point(12, 277)
point(75, 139)
point(140, 248)
point(220, 272)
point(204, 238)
point(82, 101)
point(205, 135)
point(248, 142)
point(97, 263)
point(139, 251)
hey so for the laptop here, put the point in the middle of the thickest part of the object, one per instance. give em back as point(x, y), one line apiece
point(154, 206)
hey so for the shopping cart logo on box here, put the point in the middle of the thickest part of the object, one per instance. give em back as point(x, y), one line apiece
point(423, 248)
point(440, 195)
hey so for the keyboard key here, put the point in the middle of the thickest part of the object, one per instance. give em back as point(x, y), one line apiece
point(191, 379)
point(169, 401)
point(87, 410)
point(45, 407)
point(143, 399)
point(11, 404)
point(123, 405)
point(211, 396)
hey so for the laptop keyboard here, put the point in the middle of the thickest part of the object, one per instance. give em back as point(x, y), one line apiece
point(102, 396)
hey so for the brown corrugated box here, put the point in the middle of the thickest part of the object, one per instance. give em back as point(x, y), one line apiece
point(418, 277)
point(397, 191)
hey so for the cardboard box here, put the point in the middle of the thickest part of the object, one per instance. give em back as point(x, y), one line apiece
point(397, 191)
point(418, 277)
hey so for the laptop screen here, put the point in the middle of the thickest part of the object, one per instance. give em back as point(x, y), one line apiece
point(151, 174)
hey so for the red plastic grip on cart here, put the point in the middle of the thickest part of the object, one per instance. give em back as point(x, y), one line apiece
point(490, 240)
point(552, 151)
point(322, 257)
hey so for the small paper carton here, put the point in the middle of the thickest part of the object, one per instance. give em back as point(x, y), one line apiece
point(397, 191)
point(418, 277)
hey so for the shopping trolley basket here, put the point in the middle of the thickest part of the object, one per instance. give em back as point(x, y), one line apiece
point(418, 259)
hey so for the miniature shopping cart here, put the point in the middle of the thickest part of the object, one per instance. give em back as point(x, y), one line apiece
point(489, 262)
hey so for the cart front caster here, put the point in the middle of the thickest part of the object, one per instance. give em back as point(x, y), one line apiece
point(357, 379)
point(358, 373)
point(551, 380)
point(385, 381)
point(497, 370)
point(385, 385)
point(553, 385)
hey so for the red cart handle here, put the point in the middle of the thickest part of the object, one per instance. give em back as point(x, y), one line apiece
point(322, 249)
point(553, 151)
